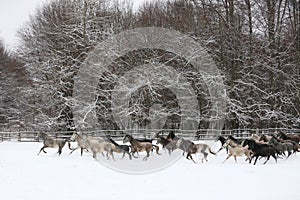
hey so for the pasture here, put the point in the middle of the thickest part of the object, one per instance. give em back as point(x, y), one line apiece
point(27, 176)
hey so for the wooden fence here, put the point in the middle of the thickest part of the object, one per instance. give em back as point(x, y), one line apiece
point(31, 136)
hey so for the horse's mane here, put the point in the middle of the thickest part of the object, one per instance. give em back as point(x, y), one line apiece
point(171, 135)
point(112, 141)
point(221, 138)
point(233, 138)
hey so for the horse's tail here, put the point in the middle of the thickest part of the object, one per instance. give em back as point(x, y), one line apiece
point(210, 151)
point(156, 149)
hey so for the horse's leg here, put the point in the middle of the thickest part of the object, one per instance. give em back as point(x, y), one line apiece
point(202, 157)
point(42, 149)
point(221, 148)
point(193, 159)
point(81, 151)
point(69, 145)
point(289, 153)
point(188, 156)
point(255, 160)
point(107, 155)
point(123, 155)
point(267, 159)
point(112, 155)
point(132, 153)
point(129, 155)
point(147, 156)
point(164, 148)
point(59, 151)
point(274, 156)
point(205, 156)
point(250, 158)
point(235, 158)
point(229, 155)
point(95, 155)
point(156, 149)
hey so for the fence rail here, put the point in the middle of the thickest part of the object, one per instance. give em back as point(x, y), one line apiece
point(201, 134)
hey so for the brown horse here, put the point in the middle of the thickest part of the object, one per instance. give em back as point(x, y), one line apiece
point(50, 142)
point(293, 137)
point(137, 146)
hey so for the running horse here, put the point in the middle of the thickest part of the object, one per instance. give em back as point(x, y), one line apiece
point(50, 142)
point(137, 146)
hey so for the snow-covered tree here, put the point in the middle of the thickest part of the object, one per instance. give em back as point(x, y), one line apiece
point(53, 44)
point(13, 81)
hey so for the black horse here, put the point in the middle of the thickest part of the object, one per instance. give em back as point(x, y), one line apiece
point(261, 150)
point(223, 141)
point(124, 148)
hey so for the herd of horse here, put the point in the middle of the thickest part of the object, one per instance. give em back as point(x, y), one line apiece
point(278, 145)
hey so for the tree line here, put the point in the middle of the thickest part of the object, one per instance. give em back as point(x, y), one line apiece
point(255, 44)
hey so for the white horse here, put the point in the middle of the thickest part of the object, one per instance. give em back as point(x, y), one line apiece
point(83, 142)
point(237, 150)
point(101, 147)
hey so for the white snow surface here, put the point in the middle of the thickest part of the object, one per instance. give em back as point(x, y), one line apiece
point(26, 176)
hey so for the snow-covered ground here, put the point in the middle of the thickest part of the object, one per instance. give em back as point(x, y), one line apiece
point(26, 176)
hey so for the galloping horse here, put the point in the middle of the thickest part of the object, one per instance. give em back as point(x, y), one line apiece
point(82, 142)
point(204, 149)
point(120, 148)
point(184, 145)
point(50, 142)
point(293, 137)
point(137, 146)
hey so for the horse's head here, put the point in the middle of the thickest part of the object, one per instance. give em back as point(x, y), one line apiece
point(126, 138)
point(171, 135)
point(249, 142)
point(226, 144)
point(158, 140)
point(157, 134)
point(40, 135)
point(37, 137)
point(73, 137)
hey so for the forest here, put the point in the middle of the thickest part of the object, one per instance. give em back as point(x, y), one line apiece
point(255, 45)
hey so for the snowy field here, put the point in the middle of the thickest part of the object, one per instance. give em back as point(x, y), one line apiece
point(26, 176)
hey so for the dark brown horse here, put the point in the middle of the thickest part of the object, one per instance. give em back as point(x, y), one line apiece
point(137, 146)
point(50, 142)
point(293, 137)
